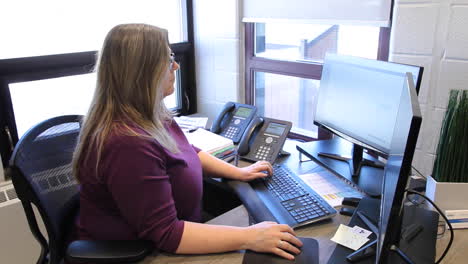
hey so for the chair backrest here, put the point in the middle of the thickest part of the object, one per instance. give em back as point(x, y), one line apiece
point(42, 175)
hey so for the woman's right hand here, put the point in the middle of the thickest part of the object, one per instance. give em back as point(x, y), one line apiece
point(273, 238)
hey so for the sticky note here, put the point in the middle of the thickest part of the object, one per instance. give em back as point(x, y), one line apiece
point(345, 236)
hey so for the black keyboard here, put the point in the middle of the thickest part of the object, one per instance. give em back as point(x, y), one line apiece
point(303, 204)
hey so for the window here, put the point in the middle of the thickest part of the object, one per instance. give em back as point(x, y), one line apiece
point(58, 27)
point(299, 98)
point(310, 42)
point(75, 93)
point(46, 66)
point(284, 65)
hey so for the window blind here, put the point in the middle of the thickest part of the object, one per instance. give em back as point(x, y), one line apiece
point(362, 12)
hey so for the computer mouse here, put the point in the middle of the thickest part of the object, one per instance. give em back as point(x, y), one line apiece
point(309, 255)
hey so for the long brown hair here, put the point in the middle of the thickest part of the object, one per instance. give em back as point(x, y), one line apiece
point(132, 64)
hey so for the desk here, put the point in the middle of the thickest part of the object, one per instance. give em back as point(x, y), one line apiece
point(239, 217)
point(322, 231)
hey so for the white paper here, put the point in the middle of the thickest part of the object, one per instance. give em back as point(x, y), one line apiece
point(346, 237)
point(208, 141)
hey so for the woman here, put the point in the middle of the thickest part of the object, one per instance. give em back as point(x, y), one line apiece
point(140, 178)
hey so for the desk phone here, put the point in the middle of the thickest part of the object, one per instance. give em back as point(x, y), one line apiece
point(233, 120)
point(264, 139)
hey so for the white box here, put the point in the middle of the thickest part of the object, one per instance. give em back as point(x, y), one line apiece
point(447, 195)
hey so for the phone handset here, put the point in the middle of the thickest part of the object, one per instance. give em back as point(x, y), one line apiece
point(233, 120)
point(216, 127)
point(247, 138)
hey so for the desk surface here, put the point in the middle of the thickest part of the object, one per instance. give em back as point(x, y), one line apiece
point(321, 231)
point(239, 217)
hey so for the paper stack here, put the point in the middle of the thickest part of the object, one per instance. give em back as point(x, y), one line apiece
point(187, 123)
point(212, 143)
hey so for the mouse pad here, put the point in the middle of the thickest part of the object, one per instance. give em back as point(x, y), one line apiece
point(309, 254)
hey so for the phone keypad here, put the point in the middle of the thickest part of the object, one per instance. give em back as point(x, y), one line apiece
point(231, 132)
point(263, 153)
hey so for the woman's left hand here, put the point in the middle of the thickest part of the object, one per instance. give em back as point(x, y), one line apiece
point(259, 169)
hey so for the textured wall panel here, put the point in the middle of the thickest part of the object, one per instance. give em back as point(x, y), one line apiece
point(226, 19)
point(453, 75)
point(431, 130)
point(226, 55)
point(227, 82)
point(424, 61)
point(457, 39)
point(413, 29)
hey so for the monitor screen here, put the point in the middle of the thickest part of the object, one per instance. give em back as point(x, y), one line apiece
point(397, 170)
point(359, 98)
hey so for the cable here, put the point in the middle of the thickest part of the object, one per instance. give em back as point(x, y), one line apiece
point(422, 175)
point(441, 225)
point(446, 220)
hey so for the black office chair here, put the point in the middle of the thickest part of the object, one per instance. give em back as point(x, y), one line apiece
point(41, 172)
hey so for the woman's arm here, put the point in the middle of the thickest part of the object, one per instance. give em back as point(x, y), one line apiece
point(214, 167)
point(263, 237)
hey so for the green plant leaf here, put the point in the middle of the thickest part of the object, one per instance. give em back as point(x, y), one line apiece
point(451, 160)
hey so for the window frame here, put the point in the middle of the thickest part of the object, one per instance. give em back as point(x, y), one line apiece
point(309, 70)
point(61, 65)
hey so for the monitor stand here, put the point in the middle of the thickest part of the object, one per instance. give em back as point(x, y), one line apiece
point(355, 162)
point(419, 249)
point(370, 177)
point(369, 250)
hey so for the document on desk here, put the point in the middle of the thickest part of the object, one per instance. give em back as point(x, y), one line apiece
point(209, 141)
point(330, 187)
point(187, 122)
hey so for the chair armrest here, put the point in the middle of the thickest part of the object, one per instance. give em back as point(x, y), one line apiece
point(108, 251)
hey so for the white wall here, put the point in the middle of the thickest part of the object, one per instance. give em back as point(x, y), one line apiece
point(432, 34)
point(218, 54)
point(17, 244)
point(429, 33)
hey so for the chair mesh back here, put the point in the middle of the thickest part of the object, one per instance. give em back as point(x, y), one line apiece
point(43, 156)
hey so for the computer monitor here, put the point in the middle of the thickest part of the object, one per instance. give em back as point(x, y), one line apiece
point(397, 170)
point(358, 100)
point(389, 245)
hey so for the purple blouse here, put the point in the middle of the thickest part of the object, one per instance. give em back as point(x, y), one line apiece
point(142, 191)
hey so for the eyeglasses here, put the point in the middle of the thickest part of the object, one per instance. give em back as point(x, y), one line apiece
point(171, 60)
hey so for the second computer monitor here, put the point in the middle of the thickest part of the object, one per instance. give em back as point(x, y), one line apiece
point(358, 99)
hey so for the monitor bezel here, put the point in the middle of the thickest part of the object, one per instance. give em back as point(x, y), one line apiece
point(395, 216)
